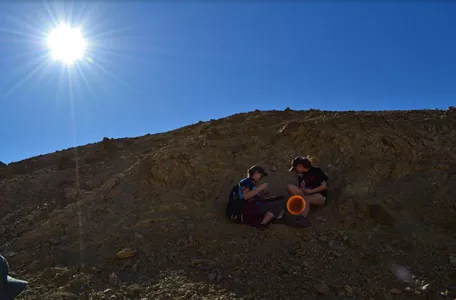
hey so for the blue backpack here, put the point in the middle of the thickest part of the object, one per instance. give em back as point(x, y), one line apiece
point(235, 205)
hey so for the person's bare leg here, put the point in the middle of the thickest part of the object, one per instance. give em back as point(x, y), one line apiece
point(267, 218)
point(294, 190)
point(314, 199)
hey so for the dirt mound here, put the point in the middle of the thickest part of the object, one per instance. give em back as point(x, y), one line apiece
point(143, 217)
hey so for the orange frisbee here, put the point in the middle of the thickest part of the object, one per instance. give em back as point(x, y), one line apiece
point(296, 204)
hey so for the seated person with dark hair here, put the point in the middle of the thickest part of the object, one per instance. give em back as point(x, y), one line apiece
point(312, 185)
point(256, 211)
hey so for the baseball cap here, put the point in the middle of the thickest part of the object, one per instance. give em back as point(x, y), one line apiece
point(258, 169)
point(300, 160)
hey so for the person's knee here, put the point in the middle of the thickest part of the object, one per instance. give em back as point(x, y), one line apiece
point(291, 189)
point(316, 199)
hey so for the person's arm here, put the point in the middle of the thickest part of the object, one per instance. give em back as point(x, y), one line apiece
point(248, 189)
point(249, 194)
point(301, 186)
point(323, 186)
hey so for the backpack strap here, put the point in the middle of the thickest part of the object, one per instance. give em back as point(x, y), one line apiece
point(240, 194)
point(235, 204)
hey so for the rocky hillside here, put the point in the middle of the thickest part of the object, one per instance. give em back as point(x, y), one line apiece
point(142, 218)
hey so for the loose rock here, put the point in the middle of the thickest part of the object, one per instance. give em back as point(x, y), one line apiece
point(33, 266)
point(212, 276)
point(453, 260)
point(125, 253)
point(348, 289)
point(113, 279)
point(323, 288)
point(54, 241)
point(323, 238)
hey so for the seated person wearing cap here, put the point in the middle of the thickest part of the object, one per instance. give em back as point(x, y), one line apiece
point(9, 287)
point(312, 184)
point(256, 211)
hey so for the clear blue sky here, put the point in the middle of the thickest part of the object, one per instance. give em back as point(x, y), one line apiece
point(157, 66)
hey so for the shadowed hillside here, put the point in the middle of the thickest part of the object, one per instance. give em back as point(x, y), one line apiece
point(142, 218)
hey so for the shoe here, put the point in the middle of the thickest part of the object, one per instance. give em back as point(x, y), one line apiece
point(280, 216)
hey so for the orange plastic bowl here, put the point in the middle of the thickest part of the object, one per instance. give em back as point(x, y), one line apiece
point(296, 205)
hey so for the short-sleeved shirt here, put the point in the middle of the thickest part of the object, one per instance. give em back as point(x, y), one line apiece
point(253, 210)
point(313, 179)
point(247, 183)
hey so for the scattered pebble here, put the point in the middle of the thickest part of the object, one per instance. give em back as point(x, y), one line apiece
point(323, 288)
point(323, 238)
point(33, 265)
point(395, 291)
point(348, 289)
point(196, 261)
point(54, 240)
point(336, 254)
point(453, 260)
point(125, 253)
point(113, 279)
point(212, 276)
point(408, 290)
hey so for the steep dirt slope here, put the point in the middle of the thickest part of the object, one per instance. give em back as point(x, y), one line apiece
point(391, 214)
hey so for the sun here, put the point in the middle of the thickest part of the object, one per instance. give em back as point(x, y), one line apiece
point(66, 44)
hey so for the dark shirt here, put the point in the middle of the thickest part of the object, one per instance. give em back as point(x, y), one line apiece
point(313, 179)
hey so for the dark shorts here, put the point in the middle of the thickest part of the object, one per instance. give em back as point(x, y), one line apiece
point(275, 207)
point(254, 211)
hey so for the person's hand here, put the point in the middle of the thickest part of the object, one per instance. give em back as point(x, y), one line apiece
point(263, 194)
point(263, 187)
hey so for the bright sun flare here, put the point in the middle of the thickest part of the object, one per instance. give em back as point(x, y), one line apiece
point(66, 44)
